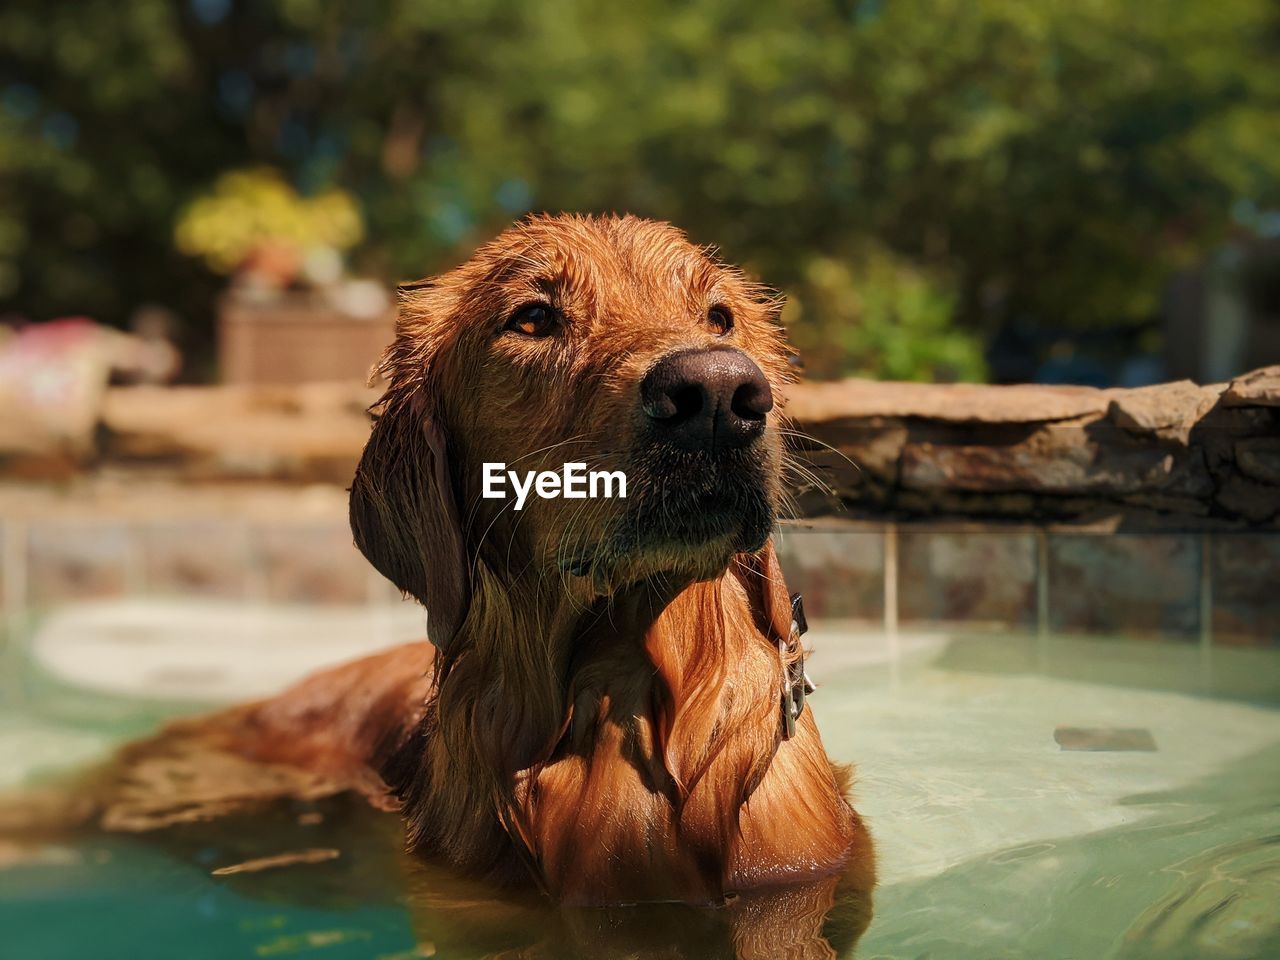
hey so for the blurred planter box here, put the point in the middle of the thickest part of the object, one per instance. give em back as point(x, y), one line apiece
point(297, 338)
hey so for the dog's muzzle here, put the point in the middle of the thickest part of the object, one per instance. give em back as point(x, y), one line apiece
point(711, 399)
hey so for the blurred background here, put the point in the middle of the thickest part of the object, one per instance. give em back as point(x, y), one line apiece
point(988, 190)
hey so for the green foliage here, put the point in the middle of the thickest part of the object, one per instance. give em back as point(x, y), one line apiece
point(1051, 160)
point(876, 315)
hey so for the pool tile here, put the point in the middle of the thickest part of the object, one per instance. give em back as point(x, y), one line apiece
point(1246, 589)
point(986, 578)
point(82, 560)
point(204, 558)
point(840, 572)
point(315, 563)
point(1125, 585)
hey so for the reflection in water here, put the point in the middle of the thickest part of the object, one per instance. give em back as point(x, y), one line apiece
point(465, 919)
point(817, 920)
point(462, 919)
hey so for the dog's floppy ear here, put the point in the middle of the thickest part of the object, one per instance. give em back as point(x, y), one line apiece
point(404, 516)
point(404, 506)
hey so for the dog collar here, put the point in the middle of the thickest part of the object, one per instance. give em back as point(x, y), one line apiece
point(796, 685)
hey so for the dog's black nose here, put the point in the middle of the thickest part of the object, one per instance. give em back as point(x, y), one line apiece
point(706, 399)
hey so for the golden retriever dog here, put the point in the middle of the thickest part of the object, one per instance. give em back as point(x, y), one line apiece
point(609, 706)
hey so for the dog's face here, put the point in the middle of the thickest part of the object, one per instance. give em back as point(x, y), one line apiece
point(614, 343)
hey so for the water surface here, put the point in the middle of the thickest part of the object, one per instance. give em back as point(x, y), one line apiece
point(993, 841)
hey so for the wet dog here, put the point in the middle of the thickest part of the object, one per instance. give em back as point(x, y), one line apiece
point(604, 705)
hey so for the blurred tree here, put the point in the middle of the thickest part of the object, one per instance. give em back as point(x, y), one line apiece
point(951, 165)
point(874, 314)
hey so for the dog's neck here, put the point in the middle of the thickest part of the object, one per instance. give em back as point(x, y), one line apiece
point(646, 720)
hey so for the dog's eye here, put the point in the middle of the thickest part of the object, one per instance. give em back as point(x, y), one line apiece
point(535, 320)
point(721, 320)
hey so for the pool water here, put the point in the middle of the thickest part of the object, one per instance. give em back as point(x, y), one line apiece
point(993, 840)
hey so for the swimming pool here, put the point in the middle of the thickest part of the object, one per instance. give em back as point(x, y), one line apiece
point(995, 840)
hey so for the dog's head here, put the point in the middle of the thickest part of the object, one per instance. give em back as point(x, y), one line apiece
point(613, 343)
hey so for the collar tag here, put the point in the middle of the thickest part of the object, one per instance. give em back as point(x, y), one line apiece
point(798, 621)
point(796, 685)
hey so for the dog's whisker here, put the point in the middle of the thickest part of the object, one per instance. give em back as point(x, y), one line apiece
point(812, 477)
point(588, 437)
point(810, 438)
point(788, 508)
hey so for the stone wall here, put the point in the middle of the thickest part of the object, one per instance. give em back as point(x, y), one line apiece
point(1174, 456)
